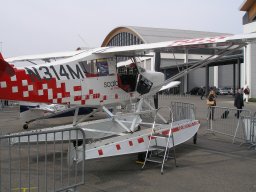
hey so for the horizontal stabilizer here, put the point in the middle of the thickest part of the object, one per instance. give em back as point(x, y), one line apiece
point(5, 67)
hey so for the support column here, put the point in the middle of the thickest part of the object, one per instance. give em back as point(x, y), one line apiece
point(239, 72)
point(165, 74)
point(185, 78)
point(234, 78)
point(157, 61)
point(216, 76)
point(207, 79)
point(245, 67)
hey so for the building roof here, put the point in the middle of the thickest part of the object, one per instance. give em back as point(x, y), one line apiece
point(246, 5)
point(152, 35)
point(250, 7)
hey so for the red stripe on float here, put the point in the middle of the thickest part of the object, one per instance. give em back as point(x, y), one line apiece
point(118, 147)
point(100, 152)
point(140, 140)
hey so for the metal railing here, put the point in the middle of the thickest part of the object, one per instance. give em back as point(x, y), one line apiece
point(228, 121)
point(5, 104)
point(183, 111)
point(41, 166)
point(249, 123)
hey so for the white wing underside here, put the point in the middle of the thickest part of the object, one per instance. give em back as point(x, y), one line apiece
point(47, 56)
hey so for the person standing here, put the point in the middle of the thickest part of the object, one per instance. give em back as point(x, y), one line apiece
point(239, 102)
point(211, 102)
point(246, 93)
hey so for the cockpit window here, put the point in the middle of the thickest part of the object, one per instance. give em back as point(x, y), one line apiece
point(102, 67)
point(88, 66)
point(97, 67)
point(127, 77)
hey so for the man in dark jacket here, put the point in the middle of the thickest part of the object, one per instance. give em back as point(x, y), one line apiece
point(239, 102)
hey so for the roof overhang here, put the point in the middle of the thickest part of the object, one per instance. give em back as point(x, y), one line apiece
point(246, 5)
point(227, 60)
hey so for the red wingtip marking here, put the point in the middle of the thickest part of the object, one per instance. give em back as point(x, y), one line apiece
point(5, 67)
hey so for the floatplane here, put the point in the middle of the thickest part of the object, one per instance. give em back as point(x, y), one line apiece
point(93, 78)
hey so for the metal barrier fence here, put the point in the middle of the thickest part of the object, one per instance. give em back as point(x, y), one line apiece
point(6, 104)
point(252, 131)
point(41, 166)
point(249, 123)
point(228, 121)
point(183, 111)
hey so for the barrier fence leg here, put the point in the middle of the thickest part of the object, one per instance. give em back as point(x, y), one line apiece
point(238, 123)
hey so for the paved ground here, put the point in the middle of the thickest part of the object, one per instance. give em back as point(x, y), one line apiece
point(213, 164)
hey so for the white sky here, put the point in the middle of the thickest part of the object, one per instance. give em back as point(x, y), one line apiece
point(42, 26)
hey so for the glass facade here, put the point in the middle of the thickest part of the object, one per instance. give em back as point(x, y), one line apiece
point(123, 39)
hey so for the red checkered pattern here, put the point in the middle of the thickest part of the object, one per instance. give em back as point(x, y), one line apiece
point(81, 99)
point(22, 87)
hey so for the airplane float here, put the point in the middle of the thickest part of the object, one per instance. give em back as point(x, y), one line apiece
point(91, 78)
point(48, 113)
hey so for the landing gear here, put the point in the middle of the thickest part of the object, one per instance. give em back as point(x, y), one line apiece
point(195, 138)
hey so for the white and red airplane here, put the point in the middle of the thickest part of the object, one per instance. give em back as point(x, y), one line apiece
point(91, 78)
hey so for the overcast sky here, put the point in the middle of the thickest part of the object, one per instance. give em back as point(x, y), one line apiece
point(42, 26)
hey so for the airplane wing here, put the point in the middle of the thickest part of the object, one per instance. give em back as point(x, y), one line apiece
point(45, 57)
point(209, 42)
point(133, 50)
point(223, 44)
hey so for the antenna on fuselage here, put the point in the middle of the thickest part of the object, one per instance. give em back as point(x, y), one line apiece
point(84, 42)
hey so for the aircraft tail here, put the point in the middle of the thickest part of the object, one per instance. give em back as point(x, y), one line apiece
point(5, 67)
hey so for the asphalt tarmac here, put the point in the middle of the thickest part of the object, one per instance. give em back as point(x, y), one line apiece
point(213, 164)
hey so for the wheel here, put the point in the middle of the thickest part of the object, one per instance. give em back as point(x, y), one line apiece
point(25, 126)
